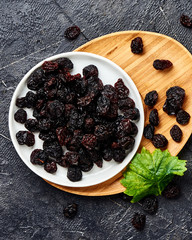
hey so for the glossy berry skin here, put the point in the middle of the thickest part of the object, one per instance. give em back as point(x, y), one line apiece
point(149, 131)
point(50, 167)
point(32, 125)
point(74, 174)
point(162, 64)
point(137, 45)
point(70, 211)
point(154, 117)
point(176, 133)
point(151, 98)
point(159, 141)
point(90, 71)
point(20, 116)
point(138, 221)
point(183, 117)
point(25, 137)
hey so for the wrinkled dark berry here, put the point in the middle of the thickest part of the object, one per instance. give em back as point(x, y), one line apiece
point(150, 204)
point(119, 155)
point(176, 90)
point(124, 128)
point(30, 99)
point(64, 63)
point(71, 158)
point(90, 71)
point(154, 117)
point(72, 32)
point(21, 102)
point(175, 97)
point(121, 89)
point(159, 141)
point(85, 101)
point(134, 129)
point(172, 191)
point(38, 156)
point(47, 136)
point(49, 66)
point(107, 154)
point(126, 142)
point(176, 133)
point(74, 173)
point(89, 125)
point(85, 162)
point(89, 141)
point(138, 221)
point(149, 131)
point(183, 117)
point(53, 149)
point(36, 80)
point(186, 21)
point(132, 113)
point(63, 135)
point(103, 105)
point(126, 103)
point(25, 137)
point(20, 116)
point(101, 132)
point(70, 211)
point(50, 167)
point(55, 109)
point(32, 125)
point(137, 45)
point(151, 98)
point(162, 64)
point(110, 92)
point(96, 157)
point(45, 124)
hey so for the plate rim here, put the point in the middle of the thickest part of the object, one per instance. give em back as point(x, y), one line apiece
point(67, 54)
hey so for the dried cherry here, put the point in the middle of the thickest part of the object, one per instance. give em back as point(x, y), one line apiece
point(149, 131)
point(176, 133)
point(150, 204)
point(70, 211)
point(154, 117)
point(151, 98)
point(90, 71)
point(32, 125)
point(25, 137)
point(72, 33)
point(183, 117)
point(74, 173)
point(20, 116)
point(137, 45)
point(159, 141)
point(186, 21)
point(162, 64)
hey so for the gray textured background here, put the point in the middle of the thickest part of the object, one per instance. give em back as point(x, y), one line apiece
point(31, 30)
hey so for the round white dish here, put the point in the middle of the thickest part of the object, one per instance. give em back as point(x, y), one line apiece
point(109, 72)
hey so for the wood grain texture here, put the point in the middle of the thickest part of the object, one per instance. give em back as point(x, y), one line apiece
point(116, 47)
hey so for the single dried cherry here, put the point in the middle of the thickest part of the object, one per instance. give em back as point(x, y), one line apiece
point(176, 133)
point(138, 221)
point(21, 102)
point(162, 64)
point(49, 66)
point(171, 191)
point(72, 33)
point(150, 204)
point(137, 45)
point(121, 89)
point(149, 131)
point(154, 117)
point(132, 113)
point(25, 137)
point(20, 116)
point(151, 98)
point(74, 173)
point(70, 211)
point(32, 125)
point(89, 141)
point(90, 71)
point(183, 117)
point(159, 141)
point(186, 21)
point(50, 167)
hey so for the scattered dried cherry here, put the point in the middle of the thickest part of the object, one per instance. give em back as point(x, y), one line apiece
point(162, 64)
point(149, 131)
point(90, 71)
point(25, 137)
point(74, 173)
point(38, 156)
point(71, 158)
point(89, 141)
point(171, 191)
point(70, 211)
point(138, 221)
point(137, 45)
point(85, 162)
point(32, 125)
point(183, 117)
point(64, 63)
point(36, 80)
point(55, 109)
point(151, 98)
point(30, 99)
point(45, 124)
point(107, 154)
point(21, 102)
point(20, 116)
point(176, 133)
point(72, 33)
point(125, 104)
point(126, 142)
point(119, 155)
point(159, 141)
point(150, 204)
point(47, 136)
point(50, 167)
point(186, 21)
point(176, 90)
point(154, 117)
point(53, 149)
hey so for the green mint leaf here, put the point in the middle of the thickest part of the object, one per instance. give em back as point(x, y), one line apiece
point(149, 174)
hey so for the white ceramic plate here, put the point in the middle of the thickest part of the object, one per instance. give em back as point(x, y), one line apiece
point(109, 72)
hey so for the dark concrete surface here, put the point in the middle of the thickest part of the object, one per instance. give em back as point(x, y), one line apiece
point(32, 30)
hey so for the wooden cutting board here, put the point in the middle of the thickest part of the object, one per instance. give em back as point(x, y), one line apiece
point(116, 47)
